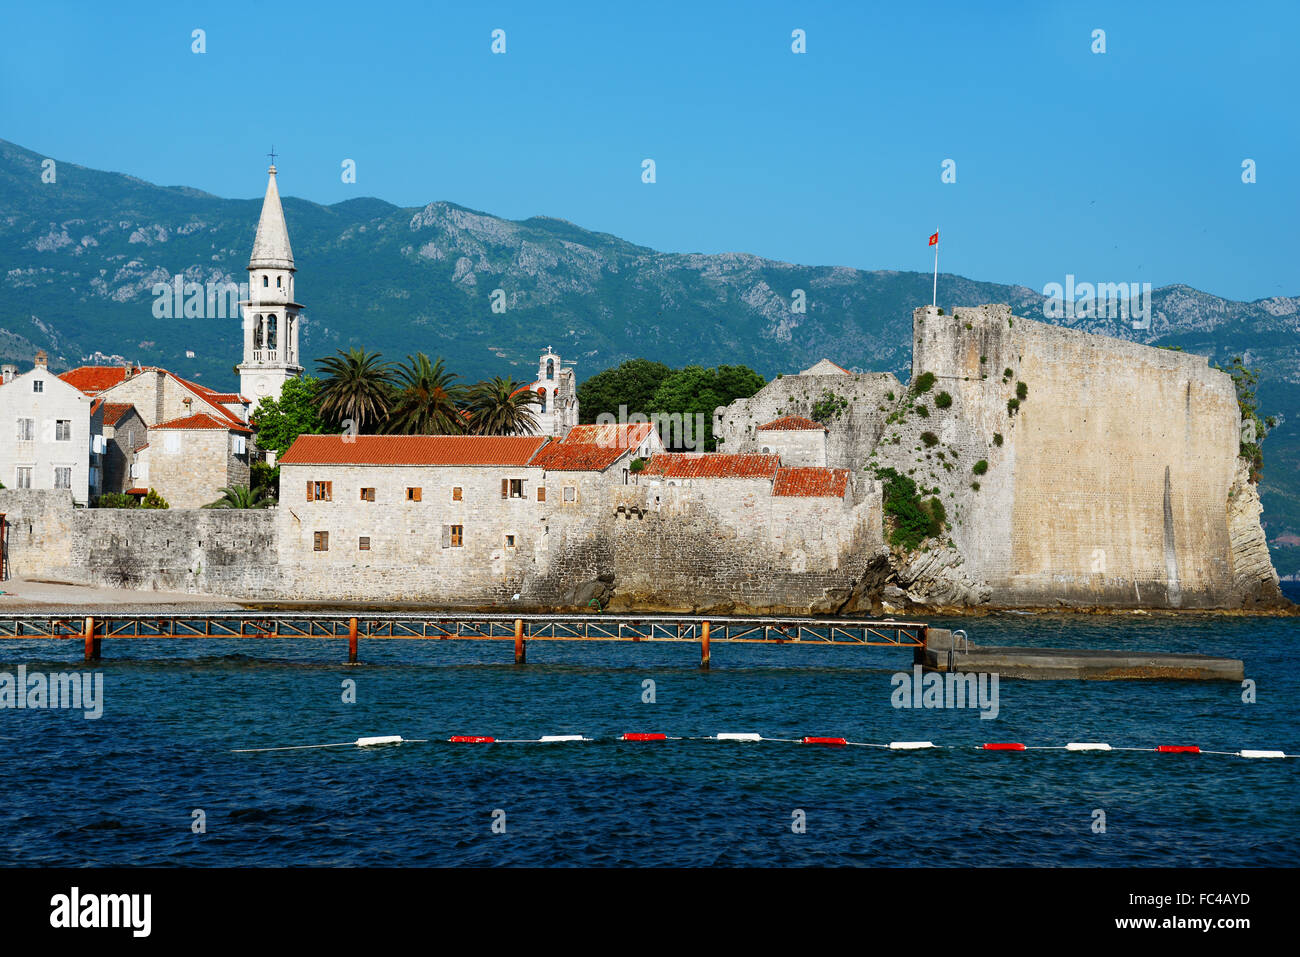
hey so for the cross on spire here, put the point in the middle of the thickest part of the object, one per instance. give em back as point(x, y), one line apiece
point(272, 154)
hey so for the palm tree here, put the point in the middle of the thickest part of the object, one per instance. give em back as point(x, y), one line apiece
point(426, 400)
point(356, 387)
point(501, 407)
point(241, 496)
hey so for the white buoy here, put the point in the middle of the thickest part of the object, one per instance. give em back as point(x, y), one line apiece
point(909, 745)
point(380, 739)
point(1087, 746)
point(552, 738)
point(1263, 754)
point(737, 736)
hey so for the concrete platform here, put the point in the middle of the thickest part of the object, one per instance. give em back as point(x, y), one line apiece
point(1068, 663)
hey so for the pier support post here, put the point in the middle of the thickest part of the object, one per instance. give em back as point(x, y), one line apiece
point(92, 643)
point(352, 641)
point(520, 654)
point(704, 646)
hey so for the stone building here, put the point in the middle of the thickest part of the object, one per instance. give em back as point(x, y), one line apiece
point(796, 438)
point(124, 435)
point(208, 442)
point(52, 433)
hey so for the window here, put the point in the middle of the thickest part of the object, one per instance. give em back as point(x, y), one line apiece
point(550, 368)
point(24, 478)
point(320, 541)
point(453, 536)
point(63, 478)
point(62, 430)
point(266, 281)
point(38, 386)
point(363, 543)
point(26, 430)
point(320, 491)
point(541, 493)
point(512, 488)
point(570, 493)
point(457, 493)
point(367, 495)
point(510, 541)
point(413, 494)
point(277, 282)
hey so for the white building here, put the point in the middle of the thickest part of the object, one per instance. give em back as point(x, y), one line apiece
point(271, 316)
point(556, 409)
point(52, 433)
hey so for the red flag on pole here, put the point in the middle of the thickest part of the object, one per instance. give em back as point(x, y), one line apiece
point(934, 240)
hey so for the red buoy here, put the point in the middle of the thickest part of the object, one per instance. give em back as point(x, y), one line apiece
point(470, 739)
point(1179, 749)
point(644, 736)
point(825, 741)
point(1005, 746)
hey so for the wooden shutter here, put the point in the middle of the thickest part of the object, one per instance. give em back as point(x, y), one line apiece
point(311, 490)
point(446, 536)
point(329, 491)
point(419, 494)
point(505, 488)
point(541, 493)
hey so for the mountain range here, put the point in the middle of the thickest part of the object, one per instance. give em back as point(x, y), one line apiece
point(81, 256)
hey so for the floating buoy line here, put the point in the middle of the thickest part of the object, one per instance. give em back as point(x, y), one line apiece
point(748, 736)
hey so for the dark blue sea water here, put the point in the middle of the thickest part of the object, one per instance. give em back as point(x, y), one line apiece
point(121, 790)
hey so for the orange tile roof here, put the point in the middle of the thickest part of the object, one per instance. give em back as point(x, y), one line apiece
point(791, 423)
point(569, 456)
point(137, 491)
point(503, 450)
point(614, 435)
point(811, 482)
point(202, 420)
point(113, 411)
point(94, 379)
point(713, 465)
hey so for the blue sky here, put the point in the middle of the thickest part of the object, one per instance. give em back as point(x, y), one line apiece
point(1116, 167)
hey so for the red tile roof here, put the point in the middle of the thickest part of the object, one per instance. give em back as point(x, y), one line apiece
point(614, 435)
point(94, 379)
point(791, 423)
point(811, 482)
point(569, 456)
point(201, 420)
point(713, 465)
point(504, 450)
point(113, 411)
point(137, 491)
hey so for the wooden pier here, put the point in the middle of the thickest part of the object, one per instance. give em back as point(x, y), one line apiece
point(93, 630)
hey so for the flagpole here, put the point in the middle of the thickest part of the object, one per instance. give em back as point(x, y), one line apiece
point(934, 296)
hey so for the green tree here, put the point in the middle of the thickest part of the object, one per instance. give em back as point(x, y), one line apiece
point(297, 412)
point(1253, 426)
point(631, 384)
point(695, 390)
point(501, 406)
point(427, 401)
point(153, 500)
point(356, 388)
point(241, 497)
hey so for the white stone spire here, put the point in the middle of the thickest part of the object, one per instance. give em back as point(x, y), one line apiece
point(271, 244)
point(272, 317)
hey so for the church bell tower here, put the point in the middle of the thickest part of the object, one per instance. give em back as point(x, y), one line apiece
point(271, 316)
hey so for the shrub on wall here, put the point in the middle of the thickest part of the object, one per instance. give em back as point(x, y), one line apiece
point(1022, 391)
point(980, 467)
point(911, 519)
point(1012, 405)
point(929, 438)
point(997, 438)
point(943, 400)
point(154, 500)
point(924, 383)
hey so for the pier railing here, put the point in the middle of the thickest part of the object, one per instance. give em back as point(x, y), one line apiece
point(702, 630)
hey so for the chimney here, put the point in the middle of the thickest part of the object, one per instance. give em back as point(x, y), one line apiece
point(42, 360)
point(128, 369)
point(7, 373)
